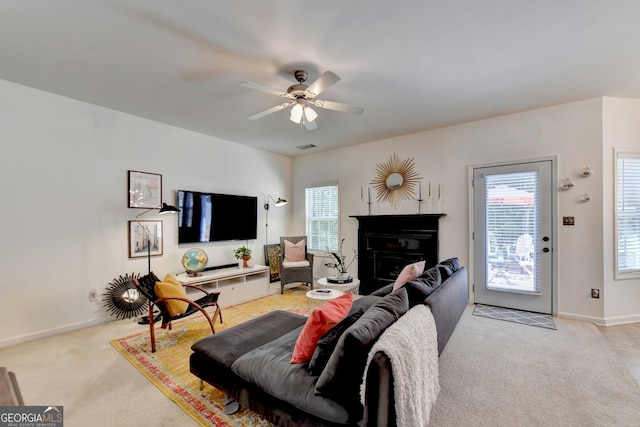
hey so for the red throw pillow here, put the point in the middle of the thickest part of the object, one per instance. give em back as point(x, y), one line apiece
point(320, 320)
point(409, 273)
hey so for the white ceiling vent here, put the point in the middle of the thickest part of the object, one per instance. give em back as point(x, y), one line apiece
point(305, 147)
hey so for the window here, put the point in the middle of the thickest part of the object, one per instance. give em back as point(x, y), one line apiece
point(321, 207)
point(627, 214)
point(511, 201)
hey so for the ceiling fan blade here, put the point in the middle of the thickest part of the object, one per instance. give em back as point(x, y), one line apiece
point(323, 83)
point(338, 106)
point(261, 88)
point(268, 111)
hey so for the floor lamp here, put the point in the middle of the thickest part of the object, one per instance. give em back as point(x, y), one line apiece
point(278, 203)
point(164, 209)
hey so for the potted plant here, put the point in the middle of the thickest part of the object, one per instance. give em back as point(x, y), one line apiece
point(244, 254)
point(339, 262)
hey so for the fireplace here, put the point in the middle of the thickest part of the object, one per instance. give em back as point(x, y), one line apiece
point(387, 243)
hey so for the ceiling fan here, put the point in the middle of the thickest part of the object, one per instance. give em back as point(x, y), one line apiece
point(301, 97)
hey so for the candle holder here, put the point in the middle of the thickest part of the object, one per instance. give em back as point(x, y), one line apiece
point(420, 205)
point(369, 204)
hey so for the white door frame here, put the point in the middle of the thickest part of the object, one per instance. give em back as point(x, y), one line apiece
point(554, 222)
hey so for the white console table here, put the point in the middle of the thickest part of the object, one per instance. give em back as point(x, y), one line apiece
point(235, 284)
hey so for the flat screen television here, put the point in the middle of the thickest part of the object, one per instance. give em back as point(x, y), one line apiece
point(212, 217)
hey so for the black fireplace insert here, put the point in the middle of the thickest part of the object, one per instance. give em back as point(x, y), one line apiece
point(387, 243)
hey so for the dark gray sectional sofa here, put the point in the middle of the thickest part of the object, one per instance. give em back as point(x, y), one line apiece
point(250, 362)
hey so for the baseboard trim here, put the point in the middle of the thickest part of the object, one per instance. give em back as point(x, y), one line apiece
point(621, 320)
point(573, 316)
point(602, 321)
point(48, 332)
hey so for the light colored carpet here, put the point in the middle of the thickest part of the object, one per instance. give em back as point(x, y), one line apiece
point(492, 373)
point(496, 374)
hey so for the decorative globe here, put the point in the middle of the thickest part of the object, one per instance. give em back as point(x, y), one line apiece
point(194, 261)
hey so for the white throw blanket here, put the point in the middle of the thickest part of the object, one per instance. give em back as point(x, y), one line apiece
point(411, 344)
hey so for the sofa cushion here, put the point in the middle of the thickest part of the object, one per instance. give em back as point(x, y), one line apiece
point(327, 343)
point(225, 347)
point(383, 291)
point(295, 251)
point(423, 286)
point(320, 321)
point(409, 272)
point(448, 267)
point(268, 368)
point(364, 303)
point(341, 377)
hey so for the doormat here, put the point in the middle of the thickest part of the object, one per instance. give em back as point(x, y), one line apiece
point(523, 317)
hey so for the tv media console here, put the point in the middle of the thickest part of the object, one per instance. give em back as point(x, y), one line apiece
point(235, 284)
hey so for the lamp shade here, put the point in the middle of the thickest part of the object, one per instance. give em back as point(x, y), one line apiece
point(281, 202)
point(168, 209)
point(310, 114)
point(296, 113)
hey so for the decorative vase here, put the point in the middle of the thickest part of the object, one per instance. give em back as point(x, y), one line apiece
point(340, 277)
point(245, 259)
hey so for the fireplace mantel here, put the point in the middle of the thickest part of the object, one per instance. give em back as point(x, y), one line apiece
point(386, 243)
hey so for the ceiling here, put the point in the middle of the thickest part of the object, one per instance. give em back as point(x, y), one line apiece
point(412, 65)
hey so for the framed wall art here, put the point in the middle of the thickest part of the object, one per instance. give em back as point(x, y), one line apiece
point(138, 238)
point(145, 190)
point(271, 255)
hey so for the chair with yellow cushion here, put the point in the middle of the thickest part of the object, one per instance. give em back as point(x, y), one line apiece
point(171, 299)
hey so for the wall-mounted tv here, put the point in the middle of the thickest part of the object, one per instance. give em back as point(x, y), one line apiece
point(211, 217)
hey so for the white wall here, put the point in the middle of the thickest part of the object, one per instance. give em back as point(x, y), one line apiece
point(63, 168)
point(64, 163)
point(571, 131)
point(621, 120)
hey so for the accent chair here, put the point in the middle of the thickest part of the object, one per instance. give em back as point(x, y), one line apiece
point(295, 263)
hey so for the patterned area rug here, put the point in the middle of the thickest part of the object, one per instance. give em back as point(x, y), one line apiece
point(516, 316)
point(168, 367)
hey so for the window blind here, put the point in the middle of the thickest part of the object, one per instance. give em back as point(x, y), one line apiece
point(627, 214)
point(512, 220)
point(321, 206)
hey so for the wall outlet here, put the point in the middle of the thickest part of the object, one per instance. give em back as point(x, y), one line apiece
point(595, 293)
point(568, 220)
point(93, 295)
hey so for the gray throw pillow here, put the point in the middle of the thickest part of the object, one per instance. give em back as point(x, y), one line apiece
point(448, 267)
point(383, 291)
point(343, 373)
point(420, 288)
point(328, 342)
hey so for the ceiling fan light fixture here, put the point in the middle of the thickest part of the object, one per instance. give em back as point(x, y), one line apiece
point(301, 97)
point(309, 114)
point(296, 113)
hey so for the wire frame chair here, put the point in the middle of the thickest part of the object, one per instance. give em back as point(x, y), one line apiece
point(146, 286)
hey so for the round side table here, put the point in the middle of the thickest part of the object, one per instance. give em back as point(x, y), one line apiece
point(352, 286)
point(319, 296)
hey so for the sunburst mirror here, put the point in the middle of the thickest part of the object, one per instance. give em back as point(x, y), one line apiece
point(122, 299)
point(395, 180)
